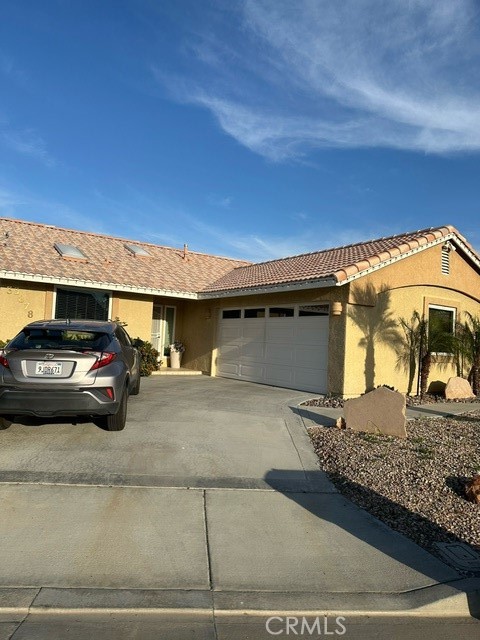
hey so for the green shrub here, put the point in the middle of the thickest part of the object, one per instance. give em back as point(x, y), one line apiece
point(3, 343)
point(148, 355)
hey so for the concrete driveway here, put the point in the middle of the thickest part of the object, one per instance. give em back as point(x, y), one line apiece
point(210, 501)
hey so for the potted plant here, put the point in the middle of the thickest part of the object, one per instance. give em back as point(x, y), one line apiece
point(176, 351)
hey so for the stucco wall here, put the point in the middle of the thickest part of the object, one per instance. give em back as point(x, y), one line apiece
point(136, 311)
point(21, 303)
point(373, 341)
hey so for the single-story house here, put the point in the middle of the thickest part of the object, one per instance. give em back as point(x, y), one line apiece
point(323, 321)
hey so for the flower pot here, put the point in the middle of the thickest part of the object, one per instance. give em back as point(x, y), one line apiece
point(175, 359)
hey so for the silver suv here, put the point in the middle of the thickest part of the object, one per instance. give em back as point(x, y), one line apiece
point(70, 368)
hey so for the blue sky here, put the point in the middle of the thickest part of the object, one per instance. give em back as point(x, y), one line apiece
point(252, 129)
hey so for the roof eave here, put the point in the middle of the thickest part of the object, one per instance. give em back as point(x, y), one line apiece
point(277, 288)
point(342, 279)
point(92, 284)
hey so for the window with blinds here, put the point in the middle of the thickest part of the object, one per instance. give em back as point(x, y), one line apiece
point(81, 305)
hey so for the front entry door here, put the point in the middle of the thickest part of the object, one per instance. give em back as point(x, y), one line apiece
point(163, 328)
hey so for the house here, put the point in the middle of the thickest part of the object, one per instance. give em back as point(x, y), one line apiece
point(323, 321)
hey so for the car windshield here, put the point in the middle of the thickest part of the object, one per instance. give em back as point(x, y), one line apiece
point(77, 340)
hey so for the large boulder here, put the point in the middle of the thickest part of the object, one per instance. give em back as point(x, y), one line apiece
point(458, 389)
point(380, 411)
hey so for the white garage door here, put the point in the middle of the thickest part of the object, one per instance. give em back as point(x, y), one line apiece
point(283, 346)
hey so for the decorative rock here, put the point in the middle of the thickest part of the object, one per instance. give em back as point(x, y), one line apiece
point(380, 411)
point(458, 389)
point(472, 489)
point(340, 423)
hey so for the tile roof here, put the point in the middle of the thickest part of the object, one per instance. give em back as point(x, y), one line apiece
point(336, 264)
point(28, 248)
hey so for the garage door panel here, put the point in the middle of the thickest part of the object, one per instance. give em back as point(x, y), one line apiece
point(311, 335)
point(253, 350)
point(313, 356)
point(290, 352)
point(254, 330)
point(310, 379)
point(279, 375)
point(228, 369)
point(279, 354)
point(279, 331)
point(252, 372)
point(229, 333)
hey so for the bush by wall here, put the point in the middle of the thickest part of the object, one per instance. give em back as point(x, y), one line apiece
point(148, 355)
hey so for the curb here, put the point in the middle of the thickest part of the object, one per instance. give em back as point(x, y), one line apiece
point(455, 599)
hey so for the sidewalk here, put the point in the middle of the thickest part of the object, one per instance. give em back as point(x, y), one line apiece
point(218, 548)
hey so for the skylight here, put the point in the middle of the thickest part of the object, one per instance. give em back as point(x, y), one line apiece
point(136, 250)
point(69, 251)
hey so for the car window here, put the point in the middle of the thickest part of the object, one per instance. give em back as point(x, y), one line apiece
point(123, 337)
point(60, 339)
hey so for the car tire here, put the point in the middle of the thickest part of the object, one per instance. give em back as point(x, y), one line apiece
point(136, 387)
point(4, 423)
point(115, 421)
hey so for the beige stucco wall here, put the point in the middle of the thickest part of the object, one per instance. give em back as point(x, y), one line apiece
point(411, 284)
point(21, 303)
point(136, 311)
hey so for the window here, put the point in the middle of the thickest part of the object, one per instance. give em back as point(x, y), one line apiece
point(231, 314)
point(441, 328)
point(69, 251)
point(442, 319)
point(255, 313)
point(136, 250)
point(60, 339)
point(123, 337)
point(313, 310)
point(281, 312)
point(81, 305)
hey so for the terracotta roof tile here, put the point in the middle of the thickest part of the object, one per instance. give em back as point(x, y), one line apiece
point(337, 264)
point(29, 249)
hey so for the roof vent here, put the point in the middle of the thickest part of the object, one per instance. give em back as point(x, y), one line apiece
point(136, 250)
point(70, 252)
point(446, 248)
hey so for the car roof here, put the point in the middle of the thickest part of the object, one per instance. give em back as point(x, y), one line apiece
point(79, 325)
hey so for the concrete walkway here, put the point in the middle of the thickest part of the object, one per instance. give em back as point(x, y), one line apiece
point(211, 502)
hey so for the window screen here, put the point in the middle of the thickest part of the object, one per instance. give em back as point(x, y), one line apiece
point(81, 305)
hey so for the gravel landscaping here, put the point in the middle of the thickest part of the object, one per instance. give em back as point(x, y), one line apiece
point(412, 401)
point(416, 486)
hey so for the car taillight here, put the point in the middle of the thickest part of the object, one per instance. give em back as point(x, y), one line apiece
point(103, 359)
point(4, 361)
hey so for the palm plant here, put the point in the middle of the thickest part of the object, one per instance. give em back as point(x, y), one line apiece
point(468, 348)
point(409, 349)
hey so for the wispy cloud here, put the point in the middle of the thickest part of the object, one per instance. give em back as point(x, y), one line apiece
point(316, 74)
point(28, 143)
point(224, 202)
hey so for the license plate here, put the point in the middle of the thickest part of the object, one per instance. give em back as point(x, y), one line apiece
point(48, 368)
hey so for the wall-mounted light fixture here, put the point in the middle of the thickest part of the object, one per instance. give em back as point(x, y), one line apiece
point(337, 309)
